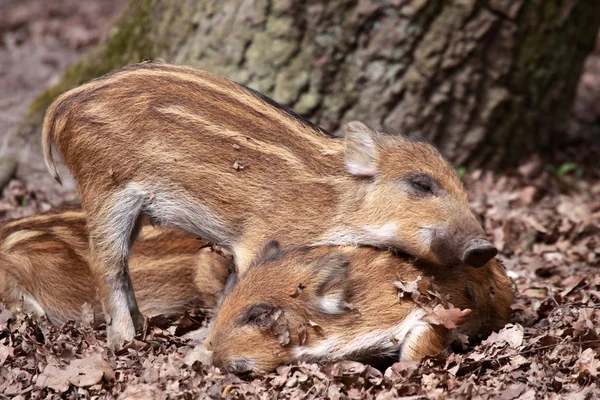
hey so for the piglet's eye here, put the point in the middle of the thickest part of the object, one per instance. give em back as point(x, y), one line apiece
point(422, 183)
point(422, 186)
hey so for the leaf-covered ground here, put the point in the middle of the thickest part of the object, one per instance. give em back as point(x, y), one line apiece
point(548, 231)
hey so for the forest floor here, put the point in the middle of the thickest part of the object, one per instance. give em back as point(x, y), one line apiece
point(545, 221)
point(548, 233)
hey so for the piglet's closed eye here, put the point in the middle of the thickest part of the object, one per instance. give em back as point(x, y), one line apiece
point(269, 317)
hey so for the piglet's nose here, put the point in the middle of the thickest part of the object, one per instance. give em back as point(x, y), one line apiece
point(478, 253)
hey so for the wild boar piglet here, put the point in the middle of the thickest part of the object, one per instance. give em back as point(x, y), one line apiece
point(44, 268)
point(325, 304)
point(225, 163)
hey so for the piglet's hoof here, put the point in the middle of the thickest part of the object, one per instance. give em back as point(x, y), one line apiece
point(118, 335)
point(139, 322)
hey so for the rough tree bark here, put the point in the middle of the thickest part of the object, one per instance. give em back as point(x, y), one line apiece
point(489, 81)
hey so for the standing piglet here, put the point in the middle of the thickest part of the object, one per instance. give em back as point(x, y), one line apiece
point(220, 161)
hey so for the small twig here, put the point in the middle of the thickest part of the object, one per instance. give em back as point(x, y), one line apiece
point(575, 304)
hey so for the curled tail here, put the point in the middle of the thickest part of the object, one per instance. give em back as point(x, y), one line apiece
point(48, 138)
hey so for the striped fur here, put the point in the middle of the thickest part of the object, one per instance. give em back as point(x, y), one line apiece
point(44, 268)
point(210, 156)
point(282, 296)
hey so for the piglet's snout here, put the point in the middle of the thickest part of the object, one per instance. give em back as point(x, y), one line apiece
point(478, 252)
point(236, 365)
point(218, 361)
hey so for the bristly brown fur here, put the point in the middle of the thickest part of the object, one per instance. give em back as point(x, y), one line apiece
point(198, 151)
point(44, 268)
point(372, 321)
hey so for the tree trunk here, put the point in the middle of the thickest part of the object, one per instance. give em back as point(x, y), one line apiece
point(487, 81)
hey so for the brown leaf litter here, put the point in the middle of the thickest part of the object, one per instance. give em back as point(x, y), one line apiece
point(549, 240)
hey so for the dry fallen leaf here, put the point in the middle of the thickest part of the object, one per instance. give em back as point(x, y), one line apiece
point(5, 353)
point(298, 291)
point(344, 368)
point(448, 317)
point(280, 328)
point(510, 334)
point(54, 378)
point(142, 392)
point(316, 327)
point(198, 353)
point(588, 362)
point(513, 391)
point(187, 323)
point(301, 334)
point(80, 372)
point(5, 317)
point(238, 165)
point(408, 288)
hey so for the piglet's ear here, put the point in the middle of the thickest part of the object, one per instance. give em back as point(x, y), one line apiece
point(360, 149)
point(269, 251)
point(332, 291)
point(230, 282)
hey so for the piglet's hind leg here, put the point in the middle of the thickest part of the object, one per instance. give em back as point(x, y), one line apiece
point(112, 233)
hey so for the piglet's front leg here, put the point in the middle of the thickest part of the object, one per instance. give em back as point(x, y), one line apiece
point(422, 341)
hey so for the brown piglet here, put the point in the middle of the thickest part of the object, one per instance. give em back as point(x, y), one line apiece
point(325, 304)
point(223, 162)
point(44, 268)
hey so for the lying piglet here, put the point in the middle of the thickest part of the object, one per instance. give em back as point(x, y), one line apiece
point(44, 268)
point(325, 304)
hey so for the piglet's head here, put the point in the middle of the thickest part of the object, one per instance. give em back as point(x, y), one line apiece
point(272, 309)
point(407, 196)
